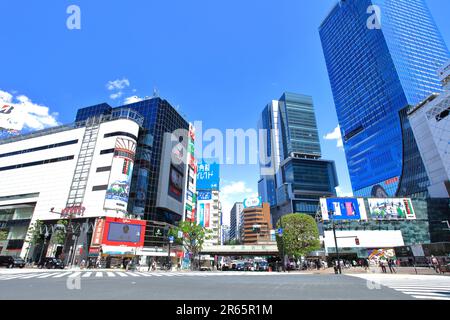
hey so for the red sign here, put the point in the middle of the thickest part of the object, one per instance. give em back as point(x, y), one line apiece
point(77, 210)
point(124, 232)
point(97, 236)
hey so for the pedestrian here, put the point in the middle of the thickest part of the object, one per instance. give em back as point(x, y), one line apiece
point(383, 266)
point(435, 263)
point(391, 265)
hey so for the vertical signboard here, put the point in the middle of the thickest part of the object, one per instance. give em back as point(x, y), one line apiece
point(120, 177)
point(190, 202)
point(201, 214)
point(207, 214)
point(208, 175)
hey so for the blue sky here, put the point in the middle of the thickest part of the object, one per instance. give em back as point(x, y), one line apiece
point(220, 61)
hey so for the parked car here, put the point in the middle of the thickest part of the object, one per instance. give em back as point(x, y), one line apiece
point(262, 266)
point(240, 267)
point(248, 266)
point(12, 262)
point(51, 263)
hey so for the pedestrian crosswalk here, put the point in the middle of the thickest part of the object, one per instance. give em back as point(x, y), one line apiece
point(417, 286)
point(125, 274)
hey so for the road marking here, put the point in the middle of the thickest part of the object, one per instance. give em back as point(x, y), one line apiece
point(87, 275)
point(122, 274)
point(99, 275)
point(31, 276)
point(144, 274)
point(132, 274)
point(75, 274)
point(428, 297)
point(47, 275)
point(62, 275)
point(110, 274)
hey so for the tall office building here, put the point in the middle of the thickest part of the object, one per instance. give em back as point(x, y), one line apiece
point(235, 220)
point(430, 123)
point(293, 175)
point(376, 71)
point(153, 150)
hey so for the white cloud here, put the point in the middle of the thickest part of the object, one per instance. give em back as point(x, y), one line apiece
point(335, 135)
point(231, 193)
point(29, 115)
point(132, 99)
point(342, 193)
point(118, 84)
point(116, 95)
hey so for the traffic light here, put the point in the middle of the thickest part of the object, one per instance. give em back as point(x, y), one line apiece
point(357, 241)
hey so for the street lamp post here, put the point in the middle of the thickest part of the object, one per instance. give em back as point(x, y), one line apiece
point(282, 245)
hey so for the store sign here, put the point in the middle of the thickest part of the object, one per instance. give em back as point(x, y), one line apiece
point(343, 209)
point(391, 209)
point(204, 195)
point(204, 213)
point(71, 211)
point(97, 236)
point(120, 177)
point(253, 202)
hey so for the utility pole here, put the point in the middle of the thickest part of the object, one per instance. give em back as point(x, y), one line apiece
point(336, 245)
point(282, 244)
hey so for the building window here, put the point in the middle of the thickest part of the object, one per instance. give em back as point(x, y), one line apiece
point(120, 133)
point(50, 146)
point(100, 188)
point(104, 169)
point(107, 151)
point(36, 163)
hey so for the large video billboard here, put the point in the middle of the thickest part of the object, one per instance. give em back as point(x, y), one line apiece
point(176, 184)
point(120, 177)
point(343, 209)
point(208, 175)
point(124, 232)
point(391, 209)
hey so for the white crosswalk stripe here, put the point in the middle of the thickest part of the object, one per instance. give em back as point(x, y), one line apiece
point(417, 286)
point(125, 274)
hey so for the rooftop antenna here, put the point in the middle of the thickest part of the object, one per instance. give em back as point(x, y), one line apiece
point(155, 92)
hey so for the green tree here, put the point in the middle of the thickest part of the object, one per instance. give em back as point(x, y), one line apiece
point(300, 235)
point(35, 232)
point(61, 231)
point(194, 237)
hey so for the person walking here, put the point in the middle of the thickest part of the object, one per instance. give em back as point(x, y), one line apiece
point(383, 266)
point(435, 263)
point(391, 265)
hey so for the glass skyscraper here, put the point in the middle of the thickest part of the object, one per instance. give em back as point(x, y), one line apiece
point(293, 175)
point(374, 74)
point(159, 118)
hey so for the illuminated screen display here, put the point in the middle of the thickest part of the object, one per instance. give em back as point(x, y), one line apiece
point(121, 232)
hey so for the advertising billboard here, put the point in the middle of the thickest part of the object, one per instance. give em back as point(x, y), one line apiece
point(204, 213)
point(204, 195)
point(208, 175)
point(391, 209)
point(381, 254)
point(124, 232)
point(120, 177)
point(343, 209)
point(176, 184)
point(252, 202)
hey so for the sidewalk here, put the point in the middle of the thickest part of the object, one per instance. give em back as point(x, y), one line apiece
point(376, 270)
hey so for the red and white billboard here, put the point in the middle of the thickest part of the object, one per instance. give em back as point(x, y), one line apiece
point(124, 232)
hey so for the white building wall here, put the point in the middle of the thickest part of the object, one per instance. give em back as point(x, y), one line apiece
point(432, 133)
point(52, 181)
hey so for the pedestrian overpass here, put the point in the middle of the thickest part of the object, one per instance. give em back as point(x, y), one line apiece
point(242, 250)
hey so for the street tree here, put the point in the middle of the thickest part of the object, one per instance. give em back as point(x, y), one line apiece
point(194, 237)
point(300, 235)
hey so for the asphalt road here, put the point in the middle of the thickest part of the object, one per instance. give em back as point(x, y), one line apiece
point(193, 287)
